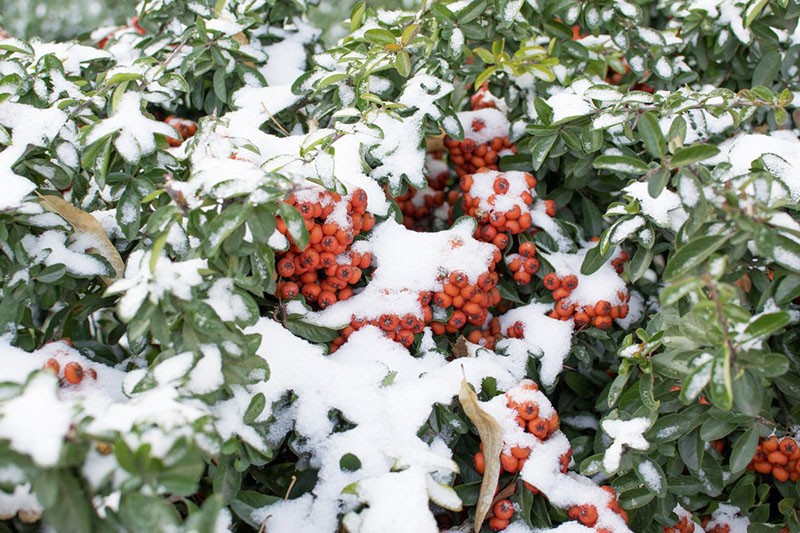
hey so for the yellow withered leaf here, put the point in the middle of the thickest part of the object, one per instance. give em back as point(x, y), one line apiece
point(83, 222)
point(492, 438)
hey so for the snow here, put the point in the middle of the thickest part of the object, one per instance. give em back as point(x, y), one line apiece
point(49, 248)
point(624, 434)
point(650, 476)
point(603, 284)
point(729, 515)
point(227, 304)
point(135, 139)
point(386, 420)
point(140, 282)
point(665, 210)
point(39, 401)
point(566, 106)
point(30, 126)
point(779, 151)
point(549, 338)
point(400, 276)
point(491, 123)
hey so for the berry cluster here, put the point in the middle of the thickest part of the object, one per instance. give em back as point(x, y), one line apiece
point(587, 513)
point(601, 314)
point(523, 265)
point(325, 271)
point(485, 141)
point(186, 128)
point(527, 413)
point(486, 337)
point(483, 98)
point(779, 457)
point(500, 202)
point(73, 372)
point(503, 511)
point(459, 299)
point(683, 526)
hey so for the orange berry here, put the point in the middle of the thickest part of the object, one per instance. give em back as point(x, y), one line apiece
point(570, 282)
point(763, 467)
point(771, 444)
point(602, 308)
point(480, 462)
point(603, 322)
point(527, 249)
point(509, 463)
point(52, 364)
point(560, 293)
point(73, 372)
point(788, 446)
point(539, 428)
point(501, 185)
point(503, 509)
point(326, 299)
point(497, 524)
point(777, 458)
point(780, 474)
point(520, 452)
point(528, 410)
point(551, 281)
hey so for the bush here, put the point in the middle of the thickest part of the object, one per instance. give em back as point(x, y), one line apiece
point(547, 249)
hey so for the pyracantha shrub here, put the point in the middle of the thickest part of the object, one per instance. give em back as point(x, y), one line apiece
point(483, 264)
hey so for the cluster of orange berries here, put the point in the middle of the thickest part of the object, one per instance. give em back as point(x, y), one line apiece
point(779, 457)
point(523, 265)
point(499, 202)
point(464, 302)
point(186, 128)
point(600, 315)
point(325, 271)
point(527, 416)
point(419, 206)
point(683, 526)
point(73, 372)
point(483, 98)
point(468, 156)
point(587, 514)
point(487, 337)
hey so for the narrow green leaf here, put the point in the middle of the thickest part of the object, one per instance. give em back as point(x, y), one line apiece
point(620, 163)
point(692, 254)
point(692, 154)
point(651, 135)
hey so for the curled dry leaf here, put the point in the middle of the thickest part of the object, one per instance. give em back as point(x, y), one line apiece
point(492, 438)
point(83, 222)
point(460, 347)
point(435, 143)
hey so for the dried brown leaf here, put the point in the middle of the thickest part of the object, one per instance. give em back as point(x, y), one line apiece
point(435, 143)
point(83, 222)
point(492, 438)
point(460, 347)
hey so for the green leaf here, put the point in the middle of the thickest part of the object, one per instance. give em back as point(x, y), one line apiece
point(357, 15)
point(657, 181)
point(380, 36)
point(402, 63)
point(226, 223)
point(767, 69)
point(767, 324)
point(220, 90)
point(139, 512)
point(295, 224)
point(620, 163)
point(442, 13)
point(753, 10)
point(256, 407)
point(539, 148)
point(743, 451)
point(65, 505)
point(692, 254)
point(471, 11)
point(651, 135)
point(310, 332)
point(349, 463)
point(692, 154)
point(594, 259)
point(544, 111)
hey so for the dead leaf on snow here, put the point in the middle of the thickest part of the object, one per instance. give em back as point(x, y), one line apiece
point(83, 222)
point(492, 438)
